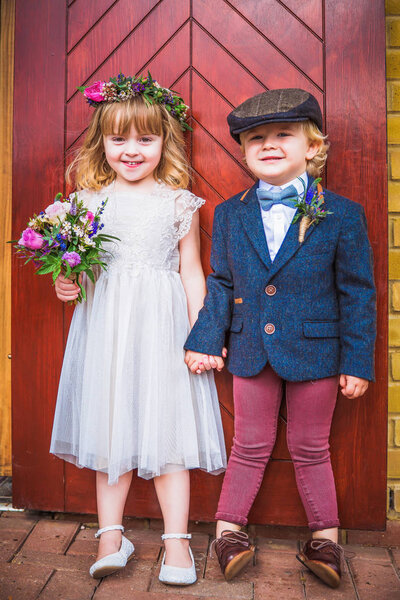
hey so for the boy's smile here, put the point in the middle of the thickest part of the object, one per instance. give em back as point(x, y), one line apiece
point(277, 152)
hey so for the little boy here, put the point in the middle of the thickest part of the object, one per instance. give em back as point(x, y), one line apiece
point(292, 297)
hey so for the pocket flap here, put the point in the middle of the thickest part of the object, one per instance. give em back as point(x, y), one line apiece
point(236, 324)
point(321, 329)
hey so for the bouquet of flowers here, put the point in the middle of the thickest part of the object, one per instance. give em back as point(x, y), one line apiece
point(65, 238)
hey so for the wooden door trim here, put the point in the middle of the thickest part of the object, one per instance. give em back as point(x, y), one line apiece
point(7, 25)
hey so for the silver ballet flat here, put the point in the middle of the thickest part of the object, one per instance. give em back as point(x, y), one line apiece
point(112, 562)
point(177, 575)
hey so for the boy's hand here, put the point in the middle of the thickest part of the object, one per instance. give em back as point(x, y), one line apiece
point(66, 289)
point(198, 362)
point(353, 387)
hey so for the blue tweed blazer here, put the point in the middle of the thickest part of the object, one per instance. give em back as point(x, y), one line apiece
point(311, 313)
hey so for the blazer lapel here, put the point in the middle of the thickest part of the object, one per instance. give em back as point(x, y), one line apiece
point(291, 243)
point(250, 214)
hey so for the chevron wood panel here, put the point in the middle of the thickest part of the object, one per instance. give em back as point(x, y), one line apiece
point(203, 189)
point(135, 56)
point(103, 39)
point(253, 51)
point(82, 15)
point(224, 72)
point(213, 163)
point(309, 11)
point(211, 110)
point(292, 38)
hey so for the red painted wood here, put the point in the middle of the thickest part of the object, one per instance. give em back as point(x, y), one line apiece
point(294, 40)
point(309, 11)
point(250, 48)
point(82, 16)
point(356, 124)
point(102, 40)
point(213, 163)
point(215, 68)
point(224, 72)
point(37, 316)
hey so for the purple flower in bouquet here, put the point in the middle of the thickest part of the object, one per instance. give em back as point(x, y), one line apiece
point(31, 239)
point(72, 258)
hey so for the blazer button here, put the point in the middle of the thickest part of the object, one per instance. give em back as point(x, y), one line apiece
point(270, 290)
point(269, 328)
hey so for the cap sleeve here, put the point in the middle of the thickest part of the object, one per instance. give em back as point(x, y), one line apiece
point(186, 205)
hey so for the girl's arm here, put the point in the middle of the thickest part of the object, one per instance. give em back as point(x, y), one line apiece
point(191, 272)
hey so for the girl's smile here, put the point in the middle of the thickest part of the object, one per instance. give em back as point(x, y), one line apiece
point(134, 157)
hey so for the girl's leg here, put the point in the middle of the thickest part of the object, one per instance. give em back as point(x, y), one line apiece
point(257, 400)
point(173, 493)
point(310, 407)
point(110, 508)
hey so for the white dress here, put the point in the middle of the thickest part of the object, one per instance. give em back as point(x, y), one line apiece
point(126, 399)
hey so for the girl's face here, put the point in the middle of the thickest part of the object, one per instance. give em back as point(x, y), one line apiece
point(133, 156)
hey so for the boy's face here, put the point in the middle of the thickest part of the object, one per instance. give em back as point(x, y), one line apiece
point(277, 152)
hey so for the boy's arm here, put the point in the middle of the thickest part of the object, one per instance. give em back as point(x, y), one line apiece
point(357, 297)
point(208, 333)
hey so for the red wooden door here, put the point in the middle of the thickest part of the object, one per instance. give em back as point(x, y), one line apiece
point(215, 53)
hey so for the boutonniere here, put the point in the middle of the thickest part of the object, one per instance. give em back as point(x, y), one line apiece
point(309, 207)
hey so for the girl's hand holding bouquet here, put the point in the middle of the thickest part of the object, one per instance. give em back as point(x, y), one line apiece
point(65, 240)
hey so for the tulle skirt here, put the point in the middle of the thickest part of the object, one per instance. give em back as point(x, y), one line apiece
point(126, 399)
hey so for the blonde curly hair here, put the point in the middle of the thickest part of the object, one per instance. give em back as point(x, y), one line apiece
point(316, 165)
point(90, 169)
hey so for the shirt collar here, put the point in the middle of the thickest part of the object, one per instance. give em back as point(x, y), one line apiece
point(296, 182)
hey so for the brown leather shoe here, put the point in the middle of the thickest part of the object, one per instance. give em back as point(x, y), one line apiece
point(234, 552)
point(323, 558)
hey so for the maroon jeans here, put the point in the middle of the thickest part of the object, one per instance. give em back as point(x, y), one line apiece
point(310, 406)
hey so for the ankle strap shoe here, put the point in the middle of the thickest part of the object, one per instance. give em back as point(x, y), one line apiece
point(177, 575)
point(112, 562)
point(323, 557)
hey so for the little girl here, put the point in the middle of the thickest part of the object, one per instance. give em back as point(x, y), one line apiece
point(126, 399)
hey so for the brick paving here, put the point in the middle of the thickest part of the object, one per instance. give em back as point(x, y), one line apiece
point(46, 556)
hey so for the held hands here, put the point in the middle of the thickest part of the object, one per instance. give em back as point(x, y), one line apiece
point(198, 362)
point(352, 387)
point(66, 289)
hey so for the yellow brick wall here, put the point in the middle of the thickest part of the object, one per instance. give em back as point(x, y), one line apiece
point(393, 128)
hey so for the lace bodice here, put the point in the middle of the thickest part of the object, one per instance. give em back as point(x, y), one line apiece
point(149, 226)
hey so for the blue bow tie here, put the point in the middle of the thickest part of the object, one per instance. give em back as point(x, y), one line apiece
point(288, 196)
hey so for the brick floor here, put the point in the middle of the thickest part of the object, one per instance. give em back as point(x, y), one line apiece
point(46, 557)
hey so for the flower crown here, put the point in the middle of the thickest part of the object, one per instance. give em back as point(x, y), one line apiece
point(121, 88)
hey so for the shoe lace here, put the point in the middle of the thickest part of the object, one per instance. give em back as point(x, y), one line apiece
point(239, 538)
point(335, 549)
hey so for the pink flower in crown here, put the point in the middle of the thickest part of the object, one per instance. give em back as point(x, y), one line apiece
point(31, 239)
point(94, 91)
point(90, 216)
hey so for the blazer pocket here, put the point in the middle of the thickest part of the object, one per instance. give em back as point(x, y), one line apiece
point(321, 329)
point(236, 324)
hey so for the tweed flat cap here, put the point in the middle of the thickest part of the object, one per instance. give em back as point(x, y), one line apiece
point(274, 106)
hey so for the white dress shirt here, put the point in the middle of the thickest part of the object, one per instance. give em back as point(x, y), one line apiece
point(278, 218)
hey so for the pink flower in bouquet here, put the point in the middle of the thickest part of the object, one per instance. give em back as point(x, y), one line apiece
point(93, 92)
point(57, 210)
point(31, 239)
point(72, 258)
point(90, 216)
